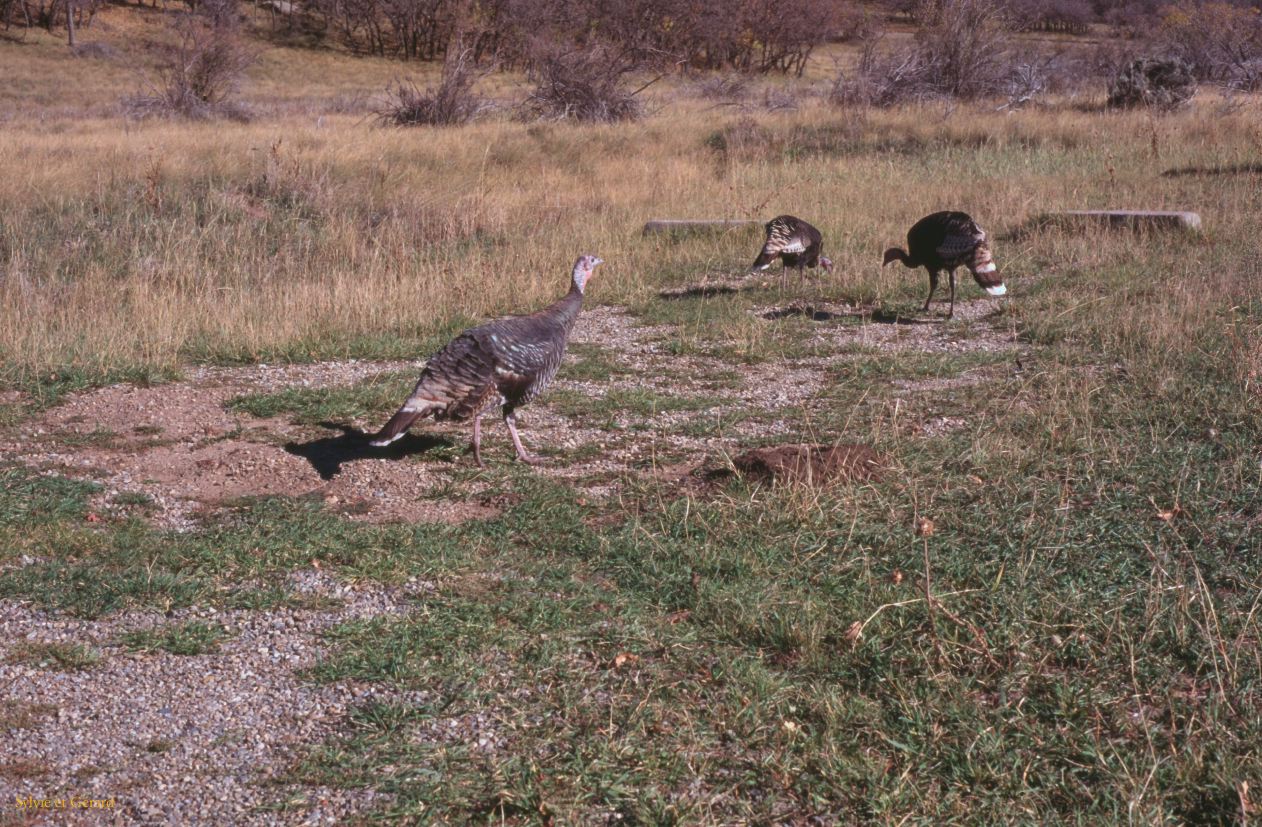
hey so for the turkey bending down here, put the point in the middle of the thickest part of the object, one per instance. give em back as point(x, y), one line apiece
point(504, 363)
point(945, 241)
point(797, 243)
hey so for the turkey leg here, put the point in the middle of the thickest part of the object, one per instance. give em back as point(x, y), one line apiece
point(510, 419)
point(476, 445)
point(933, 285)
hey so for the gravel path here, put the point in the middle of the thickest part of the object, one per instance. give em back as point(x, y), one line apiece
point(185, 739)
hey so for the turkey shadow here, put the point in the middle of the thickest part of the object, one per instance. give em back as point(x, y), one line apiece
point(886, 317)
point(1229, 169)
point(698, 291)
point(327, 454)
point(812, 313)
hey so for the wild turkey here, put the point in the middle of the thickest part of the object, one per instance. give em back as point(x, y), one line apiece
point(797, 243)
point(503, 363)
point(945, 241)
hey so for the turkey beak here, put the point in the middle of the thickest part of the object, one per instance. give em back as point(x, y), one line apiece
point(598, 262)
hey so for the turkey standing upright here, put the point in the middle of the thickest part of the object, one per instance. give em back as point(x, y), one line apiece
point(797, 243)
point(945, 241)
point(503, 363)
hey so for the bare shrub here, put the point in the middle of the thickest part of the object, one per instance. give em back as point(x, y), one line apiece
point(745, 35)
point(1160, 84)
point(451, 103)
point(779, 100)
point(882, 79)
point(49, 15)
point(1130, 18)
point(1065, 16)
point(727, 88)
point(963, 44)
point(781, 35)
point(961, 51)
point(405, 29)
point(586, 86)
point(1220, 42)
point(200, 76)
point(1029, 78)
point(95, 50)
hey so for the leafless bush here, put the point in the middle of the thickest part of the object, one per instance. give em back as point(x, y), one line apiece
point(1028, 80)
point(406, 29)
point(451, 103)
point(779, 100)
point(1130, 18)
point(963, 44)
point(883, 80)
point(960, 52)
point(727, 88)
point(48, 14)
point(200, 76)
point(1065, 16)
point(585, 86)
point(95, 50)
point(781, 34)
point(1220, 42)
point(1160, 84)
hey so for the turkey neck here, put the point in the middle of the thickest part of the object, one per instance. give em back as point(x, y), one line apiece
point(565, 311)
point(899, 254)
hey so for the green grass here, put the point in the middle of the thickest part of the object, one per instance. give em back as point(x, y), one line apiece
point(133, 499)
point(724, 327)
point(311, 406)
point(66, 657)
point(1090, 662)
point(638, 402)
point(1083, 661)
point(15, 715)
point(192, 638)
point(50, 387)
point(591, 363)
point(736, 612)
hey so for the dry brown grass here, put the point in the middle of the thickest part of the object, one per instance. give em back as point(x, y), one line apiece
point(298, 236)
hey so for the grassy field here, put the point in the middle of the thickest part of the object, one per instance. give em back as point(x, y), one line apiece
point(1076, 640)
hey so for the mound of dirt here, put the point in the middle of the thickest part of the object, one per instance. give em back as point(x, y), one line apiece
point(811, 463)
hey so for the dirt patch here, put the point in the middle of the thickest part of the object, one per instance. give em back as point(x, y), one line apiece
point(179, 446)
point(811, 463)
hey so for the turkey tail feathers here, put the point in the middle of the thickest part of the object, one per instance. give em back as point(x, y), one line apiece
point(396, 427)
point(985, 272)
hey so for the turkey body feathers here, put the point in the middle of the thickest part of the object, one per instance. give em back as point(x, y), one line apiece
point(795, 242)
point(947, 240)
point(504, 363)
